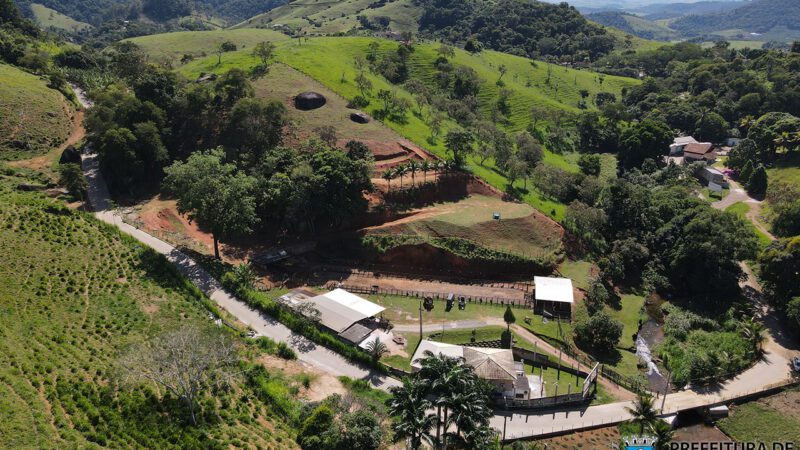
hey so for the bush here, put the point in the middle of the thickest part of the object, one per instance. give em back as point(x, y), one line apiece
point(600, 332)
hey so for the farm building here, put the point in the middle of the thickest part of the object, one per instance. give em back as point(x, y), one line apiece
point(349, 316)
point(678, 145)
point(495, 365)
point(713, 176)
point(699, 152)
point(554, 297)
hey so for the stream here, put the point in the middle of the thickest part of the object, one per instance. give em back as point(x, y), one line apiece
point(650, 335)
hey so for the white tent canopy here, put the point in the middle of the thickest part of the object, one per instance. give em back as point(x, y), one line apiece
point(554, 289)
point(339, 309)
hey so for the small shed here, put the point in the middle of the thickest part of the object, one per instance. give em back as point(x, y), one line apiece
point(553, 297)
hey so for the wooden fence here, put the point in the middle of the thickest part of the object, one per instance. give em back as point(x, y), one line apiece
point(377, 290)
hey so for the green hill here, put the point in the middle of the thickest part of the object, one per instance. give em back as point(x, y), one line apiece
point(635, 25)
point(332, 17)
point(331, 61)
point(50, 18)
point(33, 118)
point(531, 28)
point(761, 16)
point(74, 293)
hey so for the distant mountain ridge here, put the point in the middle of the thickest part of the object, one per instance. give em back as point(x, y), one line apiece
point(759, 16)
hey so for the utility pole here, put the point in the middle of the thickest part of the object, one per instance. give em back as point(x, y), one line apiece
point(420, 319)
point(666, 388)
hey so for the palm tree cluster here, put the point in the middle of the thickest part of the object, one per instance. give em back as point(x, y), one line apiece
point(444, 406)
point(413, 167)
point(644, 414)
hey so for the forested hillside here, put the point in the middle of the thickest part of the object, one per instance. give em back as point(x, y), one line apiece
point(97, 11)
point(516, 27)
point(759, 16)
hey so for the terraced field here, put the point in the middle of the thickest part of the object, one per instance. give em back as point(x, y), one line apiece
point(33, 118)
point(521, 230)
point(74, 294)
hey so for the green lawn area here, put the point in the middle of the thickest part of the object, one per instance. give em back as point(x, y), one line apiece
point(629, 314)
point(741, 209)
point(401, 310)
point(578, 271)
point(756, 422)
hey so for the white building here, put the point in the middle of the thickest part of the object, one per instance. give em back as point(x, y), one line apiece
point(554, 296)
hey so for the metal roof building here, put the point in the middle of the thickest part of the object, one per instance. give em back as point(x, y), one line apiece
point(340, 309)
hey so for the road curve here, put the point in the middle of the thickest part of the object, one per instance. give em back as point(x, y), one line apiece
point(308, 352)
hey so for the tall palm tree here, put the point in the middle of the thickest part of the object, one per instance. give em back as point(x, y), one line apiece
point(470, 412)
point(387, 175)
point(413, 167)
point(400, 171)
point(376, 350)
point(643, 411)
point(425, 166)
point(409, 405)
point(663, 433)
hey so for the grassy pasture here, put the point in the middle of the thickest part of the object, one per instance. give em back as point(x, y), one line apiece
point(33, 118)
point(50, 18)
point(170, 47)
point(74, 294)
point(313, 17)
point(282, 83)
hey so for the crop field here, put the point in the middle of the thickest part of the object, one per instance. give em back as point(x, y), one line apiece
point(50, 18)
point(74, 294)
point(330, 61)
point(771, 419)
point(521, 230)
point(33, 118)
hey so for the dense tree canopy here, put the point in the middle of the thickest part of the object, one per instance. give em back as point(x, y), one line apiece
point(534, 29)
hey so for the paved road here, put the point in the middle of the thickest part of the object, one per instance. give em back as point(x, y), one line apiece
point(308, 352)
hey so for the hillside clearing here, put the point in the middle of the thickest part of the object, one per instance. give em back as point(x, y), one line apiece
point(50, 18)
point(33, 118)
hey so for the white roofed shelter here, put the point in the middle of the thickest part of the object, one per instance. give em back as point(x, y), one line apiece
point(340, 310)
point(554, 296)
